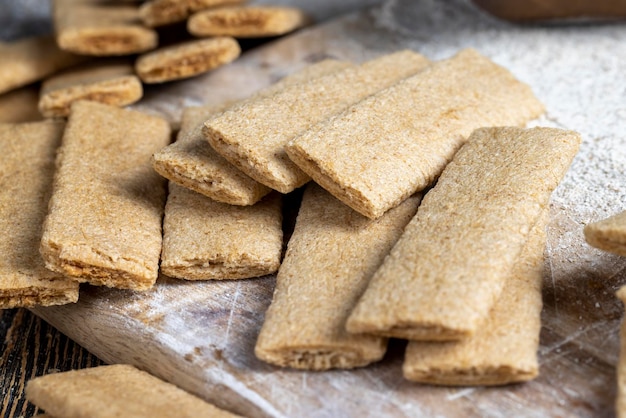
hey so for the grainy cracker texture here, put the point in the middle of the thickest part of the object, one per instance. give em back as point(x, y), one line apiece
point(28, 152)
point(164, 12)
point(449, 267)
point(608, 234)
point(396, 142)
point(104, 221)
point(331, 256)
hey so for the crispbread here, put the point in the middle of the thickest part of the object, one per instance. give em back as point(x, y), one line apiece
point(396, 142)
point(504, 349)
point(447, 270)
point(20, 105)
point(28, 152)
point(186, 59)
point(31, 59)
point(163, 12)
point(252, 135)
point(92, 27)
point(247, 21)
point(192, 163)
point(115, 391)
point(331, 256)
point(620, 404)
point(113, 83)
point(608, 234)
point(104, 221)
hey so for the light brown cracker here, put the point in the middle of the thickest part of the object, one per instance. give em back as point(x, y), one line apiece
point(104, 221)
point(192, 163)
point(31, 59)
point(115, 391)
point(247, 21)
point(331, 256)
point(608, 234)
point(447, 270)
point(396, 142)
point(252, 136)
point(112, 83)
point(186, 59)
point(28, 152)
point(92, 27)
point(164, 12)
point(20, 105)
point(504, 348)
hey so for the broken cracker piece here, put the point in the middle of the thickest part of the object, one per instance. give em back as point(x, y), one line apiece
point(608, 234)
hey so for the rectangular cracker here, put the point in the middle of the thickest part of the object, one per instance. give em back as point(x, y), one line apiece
point(164, 12)
point(448, 268)
point(28, 152)
point(115, 391)
point(186, 59)
point(20, 105)
point(397, 141)
point(331, 257)
point(104, 221)
point(192, 163)
point(608, 234)
point(93, 27)
point(620, 404)
point(113, 83)
point(247, 21)
point(252, 136)
point(504, 349)
point(31, 59)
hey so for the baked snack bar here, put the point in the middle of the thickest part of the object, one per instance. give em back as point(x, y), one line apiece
point(93, 27)
point(115, 391)
point(449, 267)
point(104, 219)
point(164, 12)
point(113, 83)
point(186, 59)
point(504, 348)
point(396, 142)
point(20, 105)
point(247, 21)
point(608, 234)
point(331, 256)
point(192, 163)
point(28, 152)
point(252, 135)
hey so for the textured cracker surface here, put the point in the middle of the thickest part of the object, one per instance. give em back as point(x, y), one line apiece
point(20, 105)
point(91, 27)
point(504, 348)
point(398, 141)
point(447, 270)
point(115, 391)
point(247, 21)
point(28, 152)
point(332, 254)
point(163, 12)
point(109, 83)
point(608, 234)
point(192, 163)
point(252, 136)
point(104, 221)
point(186, 59)
point(31, 59)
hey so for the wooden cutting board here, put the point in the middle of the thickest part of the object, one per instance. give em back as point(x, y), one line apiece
point(200, 336)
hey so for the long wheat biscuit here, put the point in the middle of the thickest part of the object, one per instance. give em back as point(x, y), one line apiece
point(192, 163)
point(608, 234)
point(28, 152)
point(247, 21)
point(115, 391)
point(330, 258)
point(20, 105)
point(441, 279)
point(186, 59)
point(504, 349)
point(396, 142)
point(164, 12)
point(31, 59)
point(113, 83)
point(104, 219)
point(620, 404)
point(92, 27)
point(252, 136)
